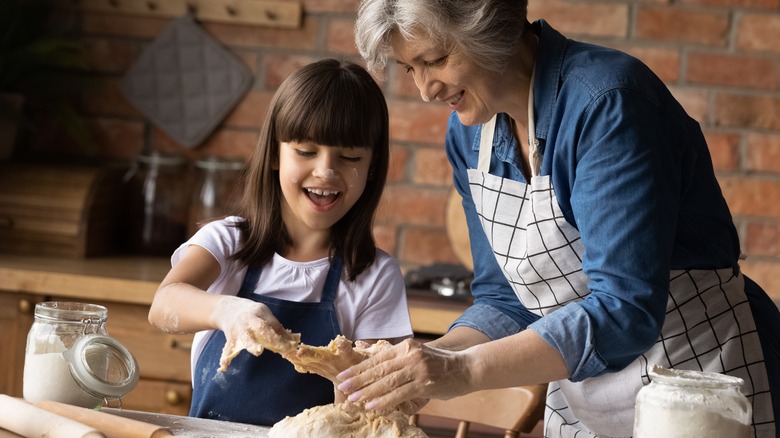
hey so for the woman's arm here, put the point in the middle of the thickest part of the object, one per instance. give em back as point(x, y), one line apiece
point(412, 370)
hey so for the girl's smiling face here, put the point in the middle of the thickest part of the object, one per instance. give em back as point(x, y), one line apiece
point(447, 76)
point(320, 184)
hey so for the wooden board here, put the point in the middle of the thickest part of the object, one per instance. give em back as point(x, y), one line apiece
point(457, 229)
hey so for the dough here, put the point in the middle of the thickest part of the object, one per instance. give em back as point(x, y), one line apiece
point(346, 420)
point(326, 361)
point(255, 342)
point(333, 358)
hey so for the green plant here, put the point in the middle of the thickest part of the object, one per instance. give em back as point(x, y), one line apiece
point(42, 63)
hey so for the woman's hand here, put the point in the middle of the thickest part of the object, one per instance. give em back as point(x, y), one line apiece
point(407, 371)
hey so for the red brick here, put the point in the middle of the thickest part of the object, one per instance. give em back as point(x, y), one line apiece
point(752, 196)
point(229, 143)
point(108, 99)
point(583, 18)
point(769, 4)
point(759, 32)
point(682, 25)
point(413, 205)
point(120, 139)
point(747, 111)
point(431, 167)
point(134, 26)
point(694, 101)
point(765, 273)
point(724, 149)
point(245, 35)
point(663, 61)
point(110, 55)
point(250, 111)
point(422, 245)
point(341, 37)
point(278, 67)
point(733, 70)
point(418, 122)
point(386, 238)
point(762, 239)
point(399, 160)
point(763, 153)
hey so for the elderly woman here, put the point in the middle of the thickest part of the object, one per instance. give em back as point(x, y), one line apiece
point(602, 244)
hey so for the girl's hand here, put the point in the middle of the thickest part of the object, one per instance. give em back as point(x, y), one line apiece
point(407, 371)
point(249, 325)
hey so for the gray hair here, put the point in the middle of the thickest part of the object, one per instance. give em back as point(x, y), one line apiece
point(486, 31)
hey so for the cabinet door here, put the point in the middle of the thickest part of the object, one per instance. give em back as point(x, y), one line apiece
point(16, 318)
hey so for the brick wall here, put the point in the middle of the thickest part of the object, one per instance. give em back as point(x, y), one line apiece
point(721, 58)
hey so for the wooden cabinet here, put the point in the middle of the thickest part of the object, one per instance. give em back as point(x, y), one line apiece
point(126, 287)
point(163, 359)
point(16, 316)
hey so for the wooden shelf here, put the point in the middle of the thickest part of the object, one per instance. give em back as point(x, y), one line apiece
point(271, 13)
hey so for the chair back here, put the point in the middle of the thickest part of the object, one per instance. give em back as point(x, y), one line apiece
point(515, 409)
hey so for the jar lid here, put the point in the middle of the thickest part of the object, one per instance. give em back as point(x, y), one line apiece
point(159, 158)
point(102, 366)
point(220, 163)
point(692, 377)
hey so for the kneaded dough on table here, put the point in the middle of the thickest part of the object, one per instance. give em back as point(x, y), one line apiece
point(346, 420)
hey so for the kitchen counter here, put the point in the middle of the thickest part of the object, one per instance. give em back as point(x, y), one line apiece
point(134, 280)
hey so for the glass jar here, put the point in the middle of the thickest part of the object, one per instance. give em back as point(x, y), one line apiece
point(216, 191)
point(691, 404)
point(158, 200)
point(70, 358)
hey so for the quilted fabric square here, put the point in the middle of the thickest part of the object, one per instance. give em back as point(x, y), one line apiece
point(186, 82)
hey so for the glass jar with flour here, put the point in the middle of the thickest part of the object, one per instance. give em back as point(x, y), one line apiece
point(70, 358)
point(691, 404)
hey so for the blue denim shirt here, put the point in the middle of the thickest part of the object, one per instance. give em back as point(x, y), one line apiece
point(632, 172)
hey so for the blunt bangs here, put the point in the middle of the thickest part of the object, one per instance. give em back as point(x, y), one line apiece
point(338, 111)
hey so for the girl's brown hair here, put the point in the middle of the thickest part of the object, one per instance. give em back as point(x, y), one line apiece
point(332, 103)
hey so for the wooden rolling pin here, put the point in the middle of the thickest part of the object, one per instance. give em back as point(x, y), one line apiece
point(113, 426)
point(30, 421)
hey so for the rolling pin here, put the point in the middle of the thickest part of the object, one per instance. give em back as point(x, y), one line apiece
point(113, 426)
point(30, 421)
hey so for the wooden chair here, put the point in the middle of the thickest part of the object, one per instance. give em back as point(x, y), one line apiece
point(515, 410)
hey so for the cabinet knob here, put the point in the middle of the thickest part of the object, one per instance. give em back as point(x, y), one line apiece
point(25, 306)
point(172, 397)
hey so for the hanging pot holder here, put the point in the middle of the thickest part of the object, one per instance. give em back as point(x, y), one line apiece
point(186, 82)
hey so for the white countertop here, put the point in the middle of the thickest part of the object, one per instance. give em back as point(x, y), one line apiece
point(193, 427)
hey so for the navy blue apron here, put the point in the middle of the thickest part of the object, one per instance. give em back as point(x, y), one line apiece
point(265, 389)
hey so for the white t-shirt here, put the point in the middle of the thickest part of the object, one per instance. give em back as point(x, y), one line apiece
point(372, 307)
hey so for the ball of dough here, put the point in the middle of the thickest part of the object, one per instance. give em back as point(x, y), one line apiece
point(346, 420)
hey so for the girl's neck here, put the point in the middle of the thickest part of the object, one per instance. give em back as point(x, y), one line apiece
point(308, 247)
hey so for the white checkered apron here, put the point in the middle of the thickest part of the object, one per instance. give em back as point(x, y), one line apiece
point(708, 326)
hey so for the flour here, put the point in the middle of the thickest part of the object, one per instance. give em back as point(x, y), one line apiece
point(691, 404)
point(47, 377)
point(657, 421)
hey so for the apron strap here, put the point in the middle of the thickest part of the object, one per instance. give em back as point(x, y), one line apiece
point(332, 280)
point(486, 145)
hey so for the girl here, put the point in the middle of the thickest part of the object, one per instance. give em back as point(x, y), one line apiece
point(300, 256)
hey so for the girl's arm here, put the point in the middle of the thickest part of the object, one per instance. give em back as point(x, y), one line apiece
point(181, 303)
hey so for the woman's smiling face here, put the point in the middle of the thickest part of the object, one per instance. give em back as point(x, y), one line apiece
point(445, 75)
